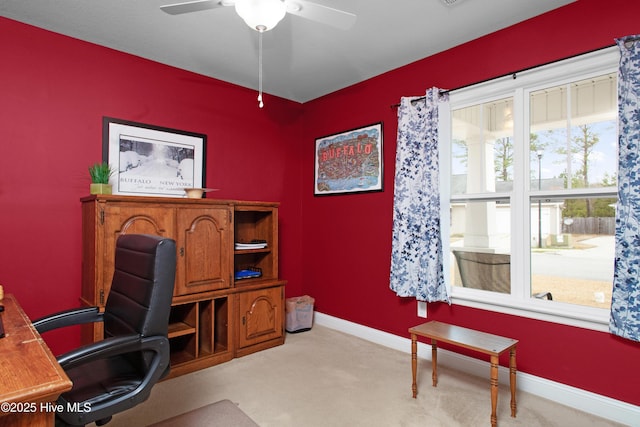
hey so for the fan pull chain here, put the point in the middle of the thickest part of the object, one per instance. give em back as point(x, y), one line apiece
point(260, 103)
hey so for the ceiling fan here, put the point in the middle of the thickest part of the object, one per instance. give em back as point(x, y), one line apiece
point(264, 15)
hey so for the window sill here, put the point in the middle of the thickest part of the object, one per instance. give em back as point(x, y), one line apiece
point(596, 319)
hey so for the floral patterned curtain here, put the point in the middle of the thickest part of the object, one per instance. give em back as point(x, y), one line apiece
point(625, 304)
point(416, 253)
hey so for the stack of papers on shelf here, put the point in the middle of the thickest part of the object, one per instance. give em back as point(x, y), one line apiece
point(257, 245)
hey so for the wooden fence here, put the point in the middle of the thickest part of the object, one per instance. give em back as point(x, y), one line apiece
point(591, 225)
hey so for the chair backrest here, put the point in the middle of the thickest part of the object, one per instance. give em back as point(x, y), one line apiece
point(142, 287)
point(484, 270)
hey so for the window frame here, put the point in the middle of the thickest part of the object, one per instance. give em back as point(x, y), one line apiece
point(519, 86)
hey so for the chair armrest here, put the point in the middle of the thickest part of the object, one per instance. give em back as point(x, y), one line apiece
point(112, 346)
point(158, 367)
point(76, 316)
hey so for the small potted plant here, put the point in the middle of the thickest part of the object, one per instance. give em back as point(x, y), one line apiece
point(100, 174)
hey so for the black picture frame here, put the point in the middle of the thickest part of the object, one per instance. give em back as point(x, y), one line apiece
point(151, 160)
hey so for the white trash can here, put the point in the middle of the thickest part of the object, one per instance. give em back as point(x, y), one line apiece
point(299, 313)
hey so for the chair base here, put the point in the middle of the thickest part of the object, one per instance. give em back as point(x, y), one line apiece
point(103, 421)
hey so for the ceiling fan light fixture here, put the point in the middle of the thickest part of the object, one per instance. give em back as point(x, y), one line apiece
point(261, 15)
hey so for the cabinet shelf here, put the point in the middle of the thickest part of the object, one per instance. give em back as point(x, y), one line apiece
point(256, 223)
point(183, 348)
point(219, 348)
point(253, 282)
point(252, 251)
point(179, 329)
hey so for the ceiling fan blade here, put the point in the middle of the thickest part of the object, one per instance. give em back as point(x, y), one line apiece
point(323, 14)
point(193, 6)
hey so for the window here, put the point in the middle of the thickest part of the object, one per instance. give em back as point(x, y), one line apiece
point(529, 185)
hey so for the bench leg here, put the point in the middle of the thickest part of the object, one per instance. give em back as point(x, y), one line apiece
point(414, 363)
point(434, 362)
point(512, 380)
point(494, 390)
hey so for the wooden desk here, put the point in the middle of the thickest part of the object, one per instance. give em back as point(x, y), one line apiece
point(482, 342)
point(30, 377)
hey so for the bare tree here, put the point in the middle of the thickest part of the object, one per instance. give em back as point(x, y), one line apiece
point(581, 148)
point(503, 150)
point(584, 143)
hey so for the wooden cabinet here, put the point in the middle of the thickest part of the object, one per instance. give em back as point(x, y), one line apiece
point(203, 239)
point(261, 317)
point(256, 222)
point(200, 333)
point(214, 317)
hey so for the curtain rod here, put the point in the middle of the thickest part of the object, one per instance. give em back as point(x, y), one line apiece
point(513, 74)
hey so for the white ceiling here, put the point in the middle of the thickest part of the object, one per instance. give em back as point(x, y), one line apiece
point(303, 60)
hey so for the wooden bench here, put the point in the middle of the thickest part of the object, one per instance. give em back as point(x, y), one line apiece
point(482, 342)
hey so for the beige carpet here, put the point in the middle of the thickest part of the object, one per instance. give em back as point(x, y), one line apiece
point(326, 378)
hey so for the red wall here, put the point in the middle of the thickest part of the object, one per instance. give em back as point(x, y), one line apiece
point(55, 91)
point(347, 238)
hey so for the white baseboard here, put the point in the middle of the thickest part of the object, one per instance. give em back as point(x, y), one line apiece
point(582, 400)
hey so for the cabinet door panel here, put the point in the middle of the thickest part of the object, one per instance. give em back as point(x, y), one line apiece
point(261, 316)
point(130, 220)
point(204, 250)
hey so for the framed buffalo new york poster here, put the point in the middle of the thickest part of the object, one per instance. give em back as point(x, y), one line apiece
point(349, 162)
point(152, 160)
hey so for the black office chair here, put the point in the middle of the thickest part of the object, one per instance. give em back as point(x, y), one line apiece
point(117, 373)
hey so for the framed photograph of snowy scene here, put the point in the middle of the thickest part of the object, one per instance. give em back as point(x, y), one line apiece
point(349, 162)
point(151, 160)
